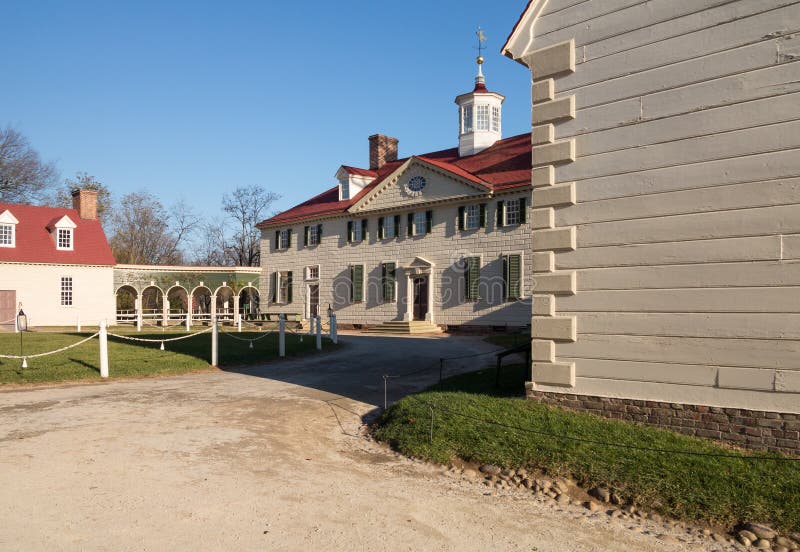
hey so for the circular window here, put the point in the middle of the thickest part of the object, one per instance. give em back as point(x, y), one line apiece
point(416, 184)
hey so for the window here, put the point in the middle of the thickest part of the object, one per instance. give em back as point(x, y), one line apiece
point(388, 280)
point(356, 283)
point(387, 227)
point(6, 235)
point(66, 291)
point(471, 217)
point(512, 276)
point(356, 231)
point(495, 119)
point(283, 239)
point(420, 223)
point(511, 212)
point(472, 278)
point(482, 117)
point(312, 272)
point(64, 239)
point(312, 235)
point(345, 186)
point(466, 117)
point(282, 287)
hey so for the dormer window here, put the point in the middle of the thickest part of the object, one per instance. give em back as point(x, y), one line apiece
point(345, 189)
point(8, 226)
point(64, 239)
point(466, 118)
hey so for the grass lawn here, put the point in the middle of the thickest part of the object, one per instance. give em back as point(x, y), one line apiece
point(127, 358)
point(691, 487)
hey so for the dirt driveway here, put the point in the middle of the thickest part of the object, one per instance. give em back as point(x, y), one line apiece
point(266, 459)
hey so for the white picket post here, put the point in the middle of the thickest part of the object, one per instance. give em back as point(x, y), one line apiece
point(103, 350)
point(311, 325)
point(319, 333)
point(79, 323)
point(139, 315)
point(239, 323)
point(281, 335)
point(214, 342)
point(334, 330)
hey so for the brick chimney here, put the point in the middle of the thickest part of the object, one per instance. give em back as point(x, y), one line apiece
point(382, 150)
point(85, 202)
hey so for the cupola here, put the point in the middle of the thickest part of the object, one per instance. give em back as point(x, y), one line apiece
point(479, 113)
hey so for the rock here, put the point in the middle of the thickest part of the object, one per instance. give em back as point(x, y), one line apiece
point(508, 473)
point(472, 474)
point(601, 493)
point(716, 537)
point(748, 535)
point(527, 483)
point(657, 518)
point(489, 469)
point(706, 532)
point(544, 483)
point(629, 509)
point(743, 540)
point(780, 548)
point(666, 539)
point(762, 544)
point(761, 531)
point(783, 541)
point(615, 513)
point(591, 506)
point(616, 499)
point(562, 498)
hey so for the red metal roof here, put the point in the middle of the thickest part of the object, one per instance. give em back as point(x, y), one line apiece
point(35, 244)
point(504, 165)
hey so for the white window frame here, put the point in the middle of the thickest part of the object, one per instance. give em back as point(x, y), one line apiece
point(358, 235)
point(472, 217)
point(9, 230)
point(508, 211)
point(420, 228)
point(7, 220)
point(386, 234)
point(67, 291)
point(467, 119)
point(313, 235)
point(67, 234)
point(481, 117)
point(284, 239)
point(345, 189)
point(280, 296)
point(309, 272)
point(495, 118)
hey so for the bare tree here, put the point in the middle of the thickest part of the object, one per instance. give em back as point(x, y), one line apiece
point(24, 177)
point(209, 250)
point(246, 206)
point(85, 181)
point(144, 232)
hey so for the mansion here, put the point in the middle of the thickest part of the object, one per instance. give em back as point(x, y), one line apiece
point(440, 238)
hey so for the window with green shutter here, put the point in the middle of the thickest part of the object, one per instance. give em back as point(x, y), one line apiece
point(274, 286)
point(512, 276)
point(472, 277)
point(388, 279)
point(357, 283)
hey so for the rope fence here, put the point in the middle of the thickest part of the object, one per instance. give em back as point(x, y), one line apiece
point(53, 352)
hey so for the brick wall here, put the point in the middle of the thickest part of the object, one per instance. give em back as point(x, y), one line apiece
point(746, 428)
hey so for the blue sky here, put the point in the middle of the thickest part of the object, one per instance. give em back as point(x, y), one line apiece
point(190, 99)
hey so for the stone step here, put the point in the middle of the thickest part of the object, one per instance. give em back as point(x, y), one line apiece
point(405, 327)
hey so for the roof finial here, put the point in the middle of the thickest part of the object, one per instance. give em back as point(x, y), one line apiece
point(480, 81)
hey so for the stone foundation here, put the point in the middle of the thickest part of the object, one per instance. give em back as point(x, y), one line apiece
point(745, 428)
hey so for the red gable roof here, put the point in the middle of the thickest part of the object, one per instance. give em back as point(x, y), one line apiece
point(35, 244)
point(504, 165)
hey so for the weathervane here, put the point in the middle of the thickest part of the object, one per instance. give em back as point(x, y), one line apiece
point(481, 44)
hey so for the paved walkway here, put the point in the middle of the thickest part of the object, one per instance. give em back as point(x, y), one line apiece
point(271, 458)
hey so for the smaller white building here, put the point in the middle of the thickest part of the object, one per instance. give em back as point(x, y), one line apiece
point(56, 264)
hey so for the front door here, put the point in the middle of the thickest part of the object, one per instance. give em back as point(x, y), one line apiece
point(8, 306)
point(420, 298)
point(313, 300)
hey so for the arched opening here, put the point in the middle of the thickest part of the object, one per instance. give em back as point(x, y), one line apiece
point(249, 308)
point(201, 304)
point(178, 300)
point(225, 303)
point(126, 305)
point(152, 304)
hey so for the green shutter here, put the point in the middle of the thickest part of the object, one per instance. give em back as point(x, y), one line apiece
point(388, 279)
point(397, 226)
point(473, 275)
point(289, 238)
point(461, 214)
point(357, 282)
point(428, 222)
point(274, 286)
point(411, 224)
point(289, 287)
point(381, 231)
point(349, 231)
point(306, 232)
point(522, 213)
point(277, 239)
point(364, 228)
point(319, 233)
point(501, 213)
point(482, 216)
point(511, 270)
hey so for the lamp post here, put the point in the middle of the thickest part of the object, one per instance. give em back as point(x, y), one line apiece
point(22, 326)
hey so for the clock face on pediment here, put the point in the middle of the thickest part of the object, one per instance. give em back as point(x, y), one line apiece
point(415, 184)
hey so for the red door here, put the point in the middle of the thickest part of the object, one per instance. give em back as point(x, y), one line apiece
point(8, 307)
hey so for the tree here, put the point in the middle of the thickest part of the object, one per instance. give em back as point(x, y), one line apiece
point(211, 246)
point(246, 206)
point(24, 177)
point(144, 232)
point(84, 181)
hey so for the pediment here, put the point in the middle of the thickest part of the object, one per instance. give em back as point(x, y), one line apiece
point(420, 262)
point(7, 218)
point(439, 184)
point(63, 222)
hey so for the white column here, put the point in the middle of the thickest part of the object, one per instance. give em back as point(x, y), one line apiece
point(213, 307)
point(409, 298)
point(281, 335)
point(138, 303)
point(319, 333)
point(165, 313)
point(429, 315)
point(188, 312)
point(103, 350)
point(237, 316)
point(214, 342)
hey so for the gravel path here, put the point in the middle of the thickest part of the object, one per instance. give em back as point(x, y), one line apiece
point(272, 458)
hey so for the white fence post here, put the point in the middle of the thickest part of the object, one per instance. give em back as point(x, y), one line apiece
point(334, 330)
point(281, 335)
point(311, 325)
point(103, 350)
point(214, 342)
point(239, 323)
point(319, 332)
point(79, 323)
point(139, 314)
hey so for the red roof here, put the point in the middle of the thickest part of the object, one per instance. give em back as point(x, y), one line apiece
point(35, 244)
point(504, 165)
